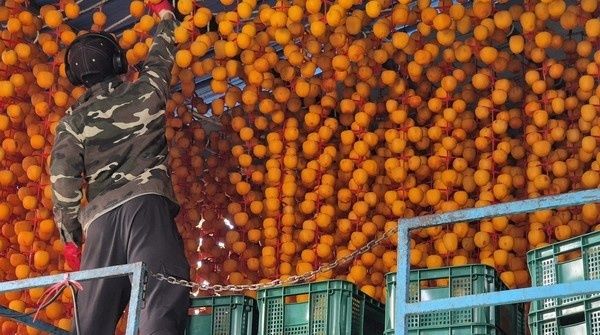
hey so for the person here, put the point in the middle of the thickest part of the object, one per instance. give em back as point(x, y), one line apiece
point(111, 146)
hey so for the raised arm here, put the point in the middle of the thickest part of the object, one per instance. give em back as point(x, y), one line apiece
point(66, 176)
point(157, 68)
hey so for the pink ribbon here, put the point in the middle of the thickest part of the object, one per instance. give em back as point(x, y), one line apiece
point(53, 290)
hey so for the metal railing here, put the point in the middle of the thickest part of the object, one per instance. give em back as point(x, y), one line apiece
point(403, 308)
point(136, 271)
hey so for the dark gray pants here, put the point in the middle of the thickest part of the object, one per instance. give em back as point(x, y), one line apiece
point(140, 230)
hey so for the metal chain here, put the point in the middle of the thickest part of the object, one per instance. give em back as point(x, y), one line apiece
point(196, 287)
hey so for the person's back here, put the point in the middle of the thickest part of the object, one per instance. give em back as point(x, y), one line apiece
point(122, 129)
point(113, 141)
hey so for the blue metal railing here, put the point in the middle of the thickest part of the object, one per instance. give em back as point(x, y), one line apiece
point(137, 275)
point(403, 308)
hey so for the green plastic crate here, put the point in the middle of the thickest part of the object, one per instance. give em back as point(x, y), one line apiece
point(462, 280)
point(226, 315)
point(332, 307)
point(581, 318)
point(547, 267)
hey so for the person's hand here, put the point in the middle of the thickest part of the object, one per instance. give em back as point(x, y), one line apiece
point(161, 8)
point(71, 236)
point(72, 255)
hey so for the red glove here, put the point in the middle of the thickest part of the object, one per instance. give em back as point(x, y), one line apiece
point(72, 256)
point(161, 6)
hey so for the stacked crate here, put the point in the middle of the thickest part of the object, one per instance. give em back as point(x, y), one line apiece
point(431, 284)
point(568, 261)
point(225, 315)
point(332, 307)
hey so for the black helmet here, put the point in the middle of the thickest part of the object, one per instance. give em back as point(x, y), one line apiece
point(93, 57)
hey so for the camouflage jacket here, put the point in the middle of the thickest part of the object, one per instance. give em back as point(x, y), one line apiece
point(113, 138)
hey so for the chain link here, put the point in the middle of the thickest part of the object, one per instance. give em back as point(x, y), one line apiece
point(196, 287)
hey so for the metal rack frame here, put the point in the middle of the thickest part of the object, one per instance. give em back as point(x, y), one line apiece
point(136, 272)
point(403, 308)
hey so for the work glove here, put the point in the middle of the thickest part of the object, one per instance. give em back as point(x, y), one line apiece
point(163, 8)
point(72, 250)
point(72, 254)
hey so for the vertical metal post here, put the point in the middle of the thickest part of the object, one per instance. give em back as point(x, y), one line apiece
point(135, 300)
point(402, 280)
